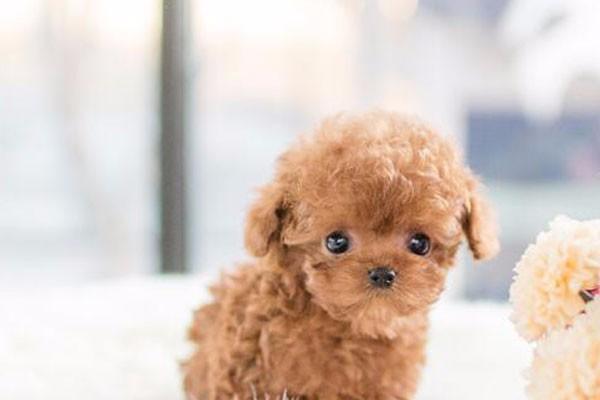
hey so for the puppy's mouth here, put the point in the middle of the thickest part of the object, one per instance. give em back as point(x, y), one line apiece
point(590, 294)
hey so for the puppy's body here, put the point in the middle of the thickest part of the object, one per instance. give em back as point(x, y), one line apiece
point(353, 241)
point(256, 338)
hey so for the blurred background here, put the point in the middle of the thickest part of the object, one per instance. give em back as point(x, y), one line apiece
point(94, 111)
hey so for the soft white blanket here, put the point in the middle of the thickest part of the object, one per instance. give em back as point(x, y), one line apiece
point(123, 340)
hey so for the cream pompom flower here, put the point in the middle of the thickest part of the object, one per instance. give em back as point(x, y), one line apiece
point(551, 275)
point(566, 363)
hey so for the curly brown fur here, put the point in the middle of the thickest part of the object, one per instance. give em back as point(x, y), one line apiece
point(307, 322)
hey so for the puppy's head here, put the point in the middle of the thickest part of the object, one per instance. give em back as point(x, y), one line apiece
point(372, 210)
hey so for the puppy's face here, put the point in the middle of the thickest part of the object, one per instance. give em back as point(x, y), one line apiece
point(373, 263)
point(372, 211)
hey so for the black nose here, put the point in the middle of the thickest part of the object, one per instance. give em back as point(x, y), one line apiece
point(382, 277)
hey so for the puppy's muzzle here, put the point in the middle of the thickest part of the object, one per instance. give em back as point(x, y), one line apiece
point(382, 277)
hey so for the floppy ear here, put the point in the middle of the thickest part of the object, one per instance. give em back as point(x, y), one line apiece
point(263, 223)
point(479, 224)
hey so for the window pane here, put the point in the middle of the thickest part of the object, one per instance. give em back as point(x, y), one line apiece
point(77, 165)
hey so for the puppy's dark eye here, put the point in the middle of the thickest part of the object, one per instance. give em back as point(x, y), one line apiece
point(337, 242)
point(419, 244)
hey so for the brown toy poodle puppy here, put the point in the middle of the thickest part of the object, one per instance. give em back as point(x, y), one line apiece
point(353, 240)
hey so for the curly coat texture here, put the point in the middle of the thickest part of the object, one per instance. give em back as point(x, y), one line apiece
point(548, 308)
point(303, 321)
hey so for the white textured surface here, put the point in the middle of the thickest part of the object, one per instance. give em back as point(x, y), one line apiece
point(122, 340)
